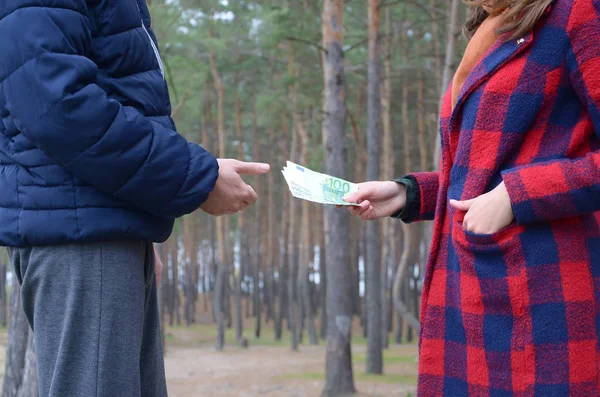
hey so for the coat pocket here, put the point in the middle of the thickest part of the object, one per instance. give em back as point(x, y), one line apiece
point(493, 270)
point(492, 294)
point(497, 241)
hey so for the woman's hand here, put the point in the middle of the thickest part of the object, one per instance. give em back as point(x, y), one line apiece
point(377, 199)
point(487, 213)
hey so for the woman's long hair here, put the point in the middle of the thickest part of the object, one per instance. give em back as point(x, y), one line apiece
point(519, 16)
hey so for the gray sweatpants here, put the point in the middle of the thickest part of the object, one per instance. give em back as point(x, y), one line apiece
point(94, 312)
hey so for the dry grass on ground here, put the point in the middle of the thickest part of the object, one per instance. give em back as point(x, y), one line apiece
point(267, 368)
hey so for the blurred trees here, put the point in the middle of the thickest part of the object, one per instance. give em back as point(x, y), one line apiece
point(356, 96)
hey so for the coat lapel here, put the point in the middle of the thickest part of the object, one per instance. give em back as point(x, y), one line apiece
point(500, 53)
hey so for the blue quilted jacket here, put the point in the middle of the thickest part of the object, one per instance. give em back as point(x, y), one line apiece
point(88, 150)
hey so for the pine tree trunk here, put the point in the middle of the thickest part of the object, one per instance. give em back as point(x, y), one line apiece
point(322, 277)
point(399, 330)
point(205, 266)
point(293, 237)
point(228, 274)
point(433, 11)
point(292, 273)
point(303, 277)
point(239, 325)
point(195, 237)
point(16, 350)
point(338, 367)
point(283, 273)
point(374, 363)
point(29, 387)
point(422, 133)
point(256, 289)
point(218, 310)
point(3, 296)
point(221, 226)
point(272, 238)
point(243, 233)
point(303, 287)
point(175, 276)
point(388, 248)
point(284, 149)
point(407, 290)
point(356, 226)
point(408, 256)
point(169, 291)
point(163, 291)
point(188, 279)
point(452, 33)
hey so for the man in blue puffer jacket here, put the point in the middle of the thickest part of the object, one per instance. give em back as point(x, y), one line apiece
point(92, 172)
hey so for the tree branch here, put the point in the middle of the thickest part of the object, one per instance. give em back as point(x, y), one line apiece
point(362, 152)
point(319, 47)
point(399, 305)
point(180, 105)
point(415, 3)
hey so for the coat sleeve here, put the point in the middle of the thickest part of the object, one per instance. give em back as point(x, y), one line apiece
point(565, 188)
point(421, 196)
point(54, 101)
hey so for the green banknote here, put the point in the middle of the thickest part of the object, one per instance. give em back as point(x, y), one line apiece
point(316, 187)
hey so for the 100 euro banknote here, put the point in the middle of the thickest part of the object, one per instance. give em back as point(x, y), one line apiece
point(314, 186)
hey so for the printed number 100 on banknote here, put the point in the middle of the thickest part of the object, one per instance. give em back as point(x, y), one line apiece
point(335, 189)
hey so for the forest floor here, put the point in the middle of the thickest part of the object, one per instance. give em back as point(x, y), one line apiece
point(268, 367)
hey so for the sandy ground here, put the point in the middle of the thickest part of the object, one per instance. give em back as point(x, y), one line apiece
point(262, 371)
point(195, 369)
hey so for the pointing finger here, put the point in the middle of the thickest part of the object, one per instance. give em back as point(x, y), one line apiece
point(245, 168)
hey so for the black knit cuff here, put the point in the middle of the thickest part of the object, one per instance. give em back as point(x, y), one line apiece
point(410, 212)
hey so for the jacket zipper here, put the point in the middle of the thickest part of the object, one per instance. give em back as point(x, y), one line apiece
point(154, 48)
point(156, 53)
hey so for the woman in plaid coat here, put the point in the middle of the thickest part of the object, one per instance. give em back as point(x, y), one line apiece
point(511, 297)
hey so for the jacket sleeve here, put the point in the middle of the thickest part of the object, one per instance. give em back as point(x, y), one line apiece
point(421, 197)
point(54, 101)
point(564, 188)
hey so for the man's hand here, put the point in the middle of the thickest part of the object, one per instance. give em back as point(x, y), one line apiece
point(377, 199)
point(487, 213)
point(231, 194)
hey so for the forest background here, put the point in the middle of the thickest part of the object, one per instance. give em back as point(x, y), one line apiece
point(291, 298)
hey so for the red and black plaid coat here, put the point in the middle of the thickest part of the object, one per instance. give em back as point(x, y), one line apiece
point(516, 313)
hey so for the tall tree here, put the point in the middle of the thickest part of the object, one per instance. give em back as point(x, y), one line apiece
point(3, 296)
point(339, 377)
point(19, 358)
point(373, 237)
point(257, 251)
point(389, 240)
point(189, 279)
point(322, 277)
point(285, 228)
point(222, 266)
point(163, 290)
point(175, 314)
point(306, 247)
point(293, 251)
point(241, 227)
point(29, 386)
point(453, 31)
